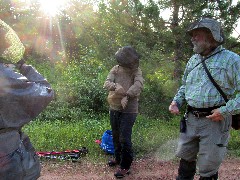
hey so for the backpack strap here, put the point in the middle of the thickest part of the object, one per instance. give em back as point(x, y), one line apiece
point(213, 81)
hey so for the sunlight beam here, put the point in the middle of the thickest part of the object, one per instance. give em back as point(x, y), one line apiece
point(52, 7)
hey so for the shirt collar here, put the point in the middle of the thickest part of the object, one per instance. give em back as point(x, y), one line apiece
point(219, 48)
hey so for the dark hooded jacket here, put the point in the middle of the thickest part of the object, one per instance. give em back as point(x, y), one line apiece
point(22, 97)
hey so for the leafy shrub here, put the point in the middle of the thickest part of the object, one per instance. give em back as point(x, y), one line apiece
point(234, 143)
point(81, 86)
point(78, 88)
point(58, 135)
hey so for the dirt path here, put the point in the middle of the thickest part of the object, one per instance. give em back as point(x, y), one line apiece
point(143, 169)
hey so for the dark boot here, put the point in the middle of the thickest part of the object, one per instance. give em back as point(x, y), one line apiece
point(121, 173)
point(113, 162)
point(213, 177)
point(186, 170)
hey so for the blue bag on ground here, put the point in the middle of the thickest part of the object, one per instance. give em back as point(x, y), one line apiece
point(107, 142)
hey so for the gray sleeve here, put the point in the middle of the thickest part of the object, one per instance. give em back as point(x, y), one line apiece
point(137, 86)
point(22, 97)
point(109, 83)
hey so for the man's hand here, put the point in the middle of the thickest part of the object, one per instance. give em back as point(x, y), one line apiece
point(124, 102)
point(216, 115)
point(173, 108)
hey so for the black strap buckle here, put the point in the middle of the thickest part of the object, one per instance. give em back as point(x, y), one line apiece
point(196, 113)
point(199, 114)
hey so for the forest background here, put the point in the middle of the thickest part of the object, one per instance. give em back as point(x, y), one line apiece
point(73, 42)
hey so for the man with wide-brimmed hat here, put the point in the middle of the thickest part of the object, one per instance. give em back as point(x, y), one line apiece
point(206, 124)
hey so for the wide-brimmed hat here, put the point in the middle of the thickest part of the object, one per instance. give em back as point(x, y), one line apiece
point(211, 24)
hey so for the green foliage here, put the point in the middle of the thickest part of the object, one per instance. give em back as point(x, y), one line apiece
point(89, 38)
point(234, 143)
point(75, 51)
point(59, 135)
point(159, 87)
point(153, 102)
point(81, 86)
point(79, 90)
point(148, 135)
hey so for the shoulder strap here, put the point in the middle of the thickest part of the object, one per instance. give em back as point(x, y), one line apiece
point(213, 81)
point(205, 59)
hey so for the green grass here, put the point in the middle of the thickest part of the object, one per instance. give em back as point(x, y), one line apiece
point(60, 135)
point(234, 143)
point(150, 136)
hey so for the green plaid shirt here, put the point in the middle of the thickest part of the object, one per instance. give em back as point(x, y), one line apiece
point(198, 91)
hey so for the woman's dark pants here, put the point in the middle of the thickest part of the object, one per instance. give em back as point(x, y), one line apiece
point(121, 124)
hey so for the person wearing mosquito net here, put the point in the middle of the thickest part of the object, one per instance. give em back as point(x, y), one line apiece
point(24, 93)
point(124, 84)
point(205, 127)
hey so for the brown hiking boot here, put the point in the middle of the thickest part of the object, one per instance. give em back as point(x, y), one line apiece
point(121, 173)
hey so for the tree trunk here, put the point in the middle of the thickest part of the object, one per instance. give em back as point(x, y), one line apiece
point(178, 43)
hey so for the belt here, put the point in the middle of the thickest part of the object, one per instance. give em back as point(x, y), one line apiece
point(201, 112)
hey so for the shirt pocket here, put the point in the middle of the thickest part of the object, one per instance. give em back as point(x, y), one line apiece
point(219, 74)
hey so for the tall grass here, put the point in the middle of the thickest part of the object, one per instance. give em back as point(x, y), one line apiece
point(150, 136)
point(60, 135)
point(234, 144)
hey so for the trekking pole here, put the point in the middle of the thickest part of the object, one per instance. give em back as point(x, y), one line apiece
point(73, 155)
